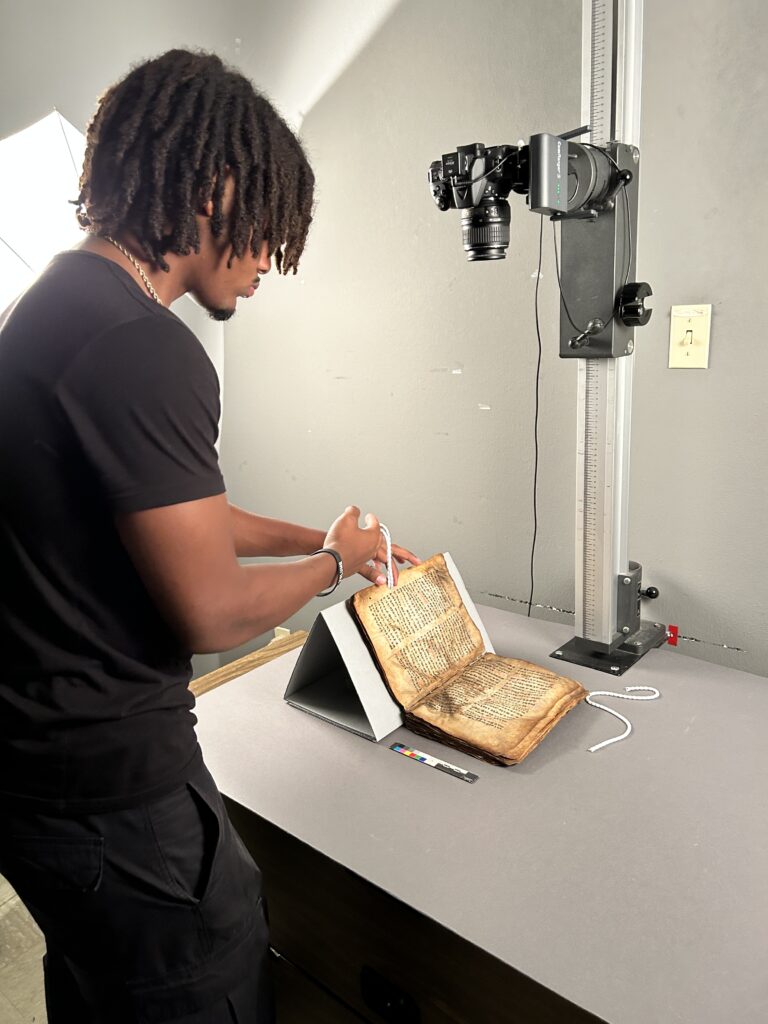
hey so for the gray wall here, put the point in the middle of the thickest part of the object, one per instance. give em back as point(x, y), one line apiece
point(700, 471)
point(65, 54)
point(341, 385)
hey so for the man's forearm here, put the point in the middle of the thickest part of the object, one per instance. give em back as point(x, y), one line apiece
point(260, 535)
point(260, 597)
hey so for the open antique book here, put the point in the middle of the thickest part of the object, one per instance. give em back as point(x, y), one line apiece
point(436, 665)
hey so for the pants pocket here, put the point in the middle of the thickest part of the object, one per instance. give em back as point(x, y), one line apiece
point(232, 985)
point(55, 862)
point(187, 834)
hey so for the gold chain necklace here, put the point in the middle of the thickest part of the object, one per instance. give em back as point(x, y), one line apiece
point(136, 264)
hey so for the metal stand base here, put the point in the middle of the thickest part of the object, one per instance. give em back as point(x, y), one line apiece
point(615, 662)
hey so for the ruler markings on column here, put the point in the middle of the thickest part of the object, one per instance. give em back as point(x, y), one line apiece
point(595, 491)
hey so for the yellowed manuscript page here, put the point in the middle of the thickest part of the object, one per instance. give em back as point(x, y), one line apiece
point(420, 631)
point(504, 706)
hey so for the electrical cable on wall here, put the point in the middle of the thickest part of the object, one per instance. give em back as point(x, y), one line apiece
point(536, 415)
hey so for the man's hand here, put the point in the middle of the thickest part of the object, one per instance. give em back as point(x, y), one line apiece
point(356, 545)
point(359, 546)
point(378, 573)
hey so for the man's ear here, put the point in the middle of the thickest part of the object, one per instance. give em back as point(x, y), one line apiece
point(205, 207)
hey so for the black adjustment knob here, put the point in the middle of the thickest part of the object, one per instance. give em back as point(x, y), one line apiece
point(632, 311)
point(650, 592)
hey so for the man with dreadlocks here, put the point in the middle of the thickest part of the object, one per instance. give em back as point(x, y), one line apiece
point(118, 553)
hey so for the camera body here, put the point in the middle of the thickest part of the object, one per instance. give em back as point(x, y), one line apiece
point(558, 178)
point(477, 181)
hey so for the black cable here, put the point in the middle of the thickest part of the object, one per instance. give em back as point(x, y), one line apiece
point(559, 285)
point(628, 226)
point(627, 251)
point(536, 416)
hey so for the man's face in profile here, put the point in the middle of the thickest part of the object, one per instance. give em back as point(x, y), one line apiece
point(215, 286)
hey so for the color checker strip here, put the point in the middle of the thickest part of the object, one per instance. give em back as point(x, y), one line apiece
point(434, 762)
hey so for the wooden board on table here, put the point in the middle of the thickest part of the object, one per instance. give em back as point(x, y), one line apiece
point(274, 649)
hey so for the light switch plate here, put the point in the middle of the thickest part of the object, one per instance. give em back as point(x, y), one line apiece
point(689, 337)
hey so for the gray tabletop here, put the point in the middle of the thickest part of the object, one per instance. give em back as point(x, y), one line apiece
point(633, 881)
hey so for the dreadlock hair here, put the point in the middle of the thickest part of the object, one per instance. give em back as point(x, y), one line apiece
point(157, 149)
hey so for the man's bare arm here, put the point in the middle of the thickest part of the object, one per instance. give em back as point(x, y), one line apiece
point(186, 557)
point(260, 535)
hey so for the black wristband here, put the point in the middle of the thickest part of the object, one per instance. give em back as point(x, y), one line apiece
point(339, 569)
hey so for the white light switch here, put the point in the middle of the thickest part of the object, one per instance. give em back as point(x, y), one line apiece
point(689, 337)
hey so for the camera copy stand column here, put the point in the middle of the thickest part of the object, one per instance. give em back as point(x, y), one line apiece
point(609, 633)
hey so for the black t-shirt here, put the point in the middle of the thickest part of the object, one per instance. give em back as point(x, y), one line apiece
point(108, 404)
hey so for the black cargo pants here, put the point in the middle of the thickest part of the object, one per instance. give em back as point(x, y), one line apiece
point(149, 914)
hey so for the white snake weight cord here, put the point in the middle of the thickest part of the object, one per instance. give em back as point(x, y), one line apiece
point(629, 695)
point(388, 539)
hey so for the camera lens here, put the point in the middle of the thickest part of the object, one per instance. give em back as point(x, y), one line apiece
point(485, 229)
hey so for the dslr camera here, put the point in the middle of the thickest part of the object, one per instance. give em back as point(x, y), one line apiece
point(558, 178)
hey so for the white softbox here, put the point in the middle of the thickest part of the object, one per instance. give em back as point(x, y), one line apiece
point(39, 173)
